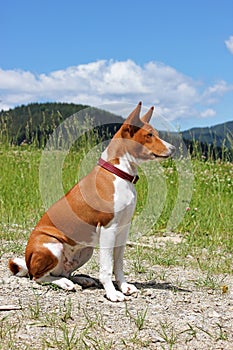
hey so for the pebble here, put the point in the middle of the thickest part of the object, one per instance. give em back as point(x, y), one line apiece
point(214, 314)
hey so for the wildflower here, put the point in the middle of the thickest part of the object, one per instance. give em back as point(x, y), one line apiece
point(187, 208)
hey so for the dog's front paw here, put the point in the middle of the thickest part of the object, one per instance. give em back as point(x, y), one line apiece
point(128, 288)
point(116, 296)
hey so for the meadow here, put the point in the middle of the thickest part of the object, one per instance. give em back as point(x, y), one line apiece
point(206, 229)
point(182, 273)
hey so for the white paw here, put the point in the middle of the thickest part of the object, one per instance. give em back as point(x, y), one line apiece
point(64, 283)
point(116, 296)
point(128, 288)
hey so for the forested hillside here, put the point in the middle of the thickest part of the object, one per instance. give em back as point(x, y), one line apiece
point(33, 123)
point(217, 134)
point(215, 141)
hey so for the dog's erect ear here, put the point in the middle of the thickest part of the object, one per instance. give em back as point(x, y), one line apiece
point(134, 117)
point(133, 122)
point(146, 118)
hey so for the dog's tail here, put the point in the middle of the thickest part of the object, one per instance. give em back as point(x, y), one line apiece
point(18, 267)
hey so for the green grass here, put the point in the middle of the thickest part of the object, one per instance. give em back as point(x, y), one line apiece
point(20, 202)
point(207, 243)
point(207, 225)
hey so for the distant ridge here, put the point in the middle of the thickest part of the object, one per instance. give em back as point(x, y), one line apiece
point(36, 121)
point(219, 135)
point(33, 123)
point(215, 142)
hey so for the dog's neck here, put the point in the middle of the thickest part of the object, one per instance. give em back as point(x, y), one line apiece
point(125, 161)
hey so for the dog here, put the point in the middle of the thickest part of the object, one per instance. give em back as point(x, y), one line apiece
point(98, 209)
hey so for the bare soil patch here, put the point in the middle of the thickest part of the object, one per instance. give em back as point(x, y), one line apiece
point(179, 309)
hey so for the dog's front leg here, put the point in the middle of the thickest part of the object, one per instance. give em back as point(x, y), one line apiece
point(125, 287)
point(107, 242)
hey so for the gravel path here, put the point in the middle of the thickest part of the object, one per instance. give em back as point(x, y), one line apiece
point(180, 309)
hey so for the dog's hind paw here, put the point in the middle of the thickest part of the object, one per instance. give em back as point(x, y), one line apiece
point(61, 282)
point(64, 283)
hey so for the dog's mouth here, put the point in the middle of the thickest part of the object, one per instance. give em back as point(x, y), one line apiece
point(161, 156)
point(167, 155)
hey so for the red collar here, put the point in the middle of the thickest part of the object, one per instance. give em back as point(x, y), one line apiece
point(110, 167)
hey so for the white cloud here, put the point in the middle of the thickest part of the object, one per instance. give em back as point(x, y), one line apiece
point(208, 113)
point(212, 93)
point(229, 44)
point(174, 94)
point(16, 80)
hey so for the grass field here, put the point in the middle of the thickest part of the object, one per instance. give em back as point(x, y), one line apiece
point(53, 319)
point(206, 228)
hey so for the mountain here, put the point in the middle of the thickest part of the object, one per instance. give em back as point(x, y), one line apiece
point(218, 135)
point(215, 141)
point(34, 123)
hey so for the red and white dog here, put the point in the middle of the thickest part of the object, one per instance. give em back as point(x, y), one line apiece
point(97, 209)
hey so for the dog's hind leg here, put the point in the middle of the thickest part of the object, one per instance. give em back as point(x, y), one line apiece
point(42, 264)
point(82, 256)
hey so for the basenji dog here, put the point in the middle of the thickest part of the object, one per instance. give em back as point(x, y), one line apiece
point(98, 209)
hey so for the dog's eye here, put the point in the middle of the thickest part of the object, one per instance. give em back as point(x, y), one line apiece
point(150, 134)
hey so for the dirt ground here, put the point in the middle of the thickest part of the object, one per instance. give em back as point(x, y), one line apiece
point(179, 309)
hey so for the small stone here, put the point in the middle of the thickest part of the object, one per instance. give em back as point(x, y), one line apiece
point(156, 338)
point(147, 292)
point(108, 329)
point(214, 314)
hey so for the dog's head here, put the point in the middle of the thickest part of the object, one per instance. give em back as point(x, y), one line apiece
point(140, 140)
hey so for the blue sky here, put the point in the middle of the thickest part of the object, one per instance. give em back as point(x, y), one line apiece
point(174, 54)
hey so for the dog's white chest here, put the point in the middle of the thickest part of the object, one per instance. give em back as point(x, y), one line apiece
point(125, 197)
